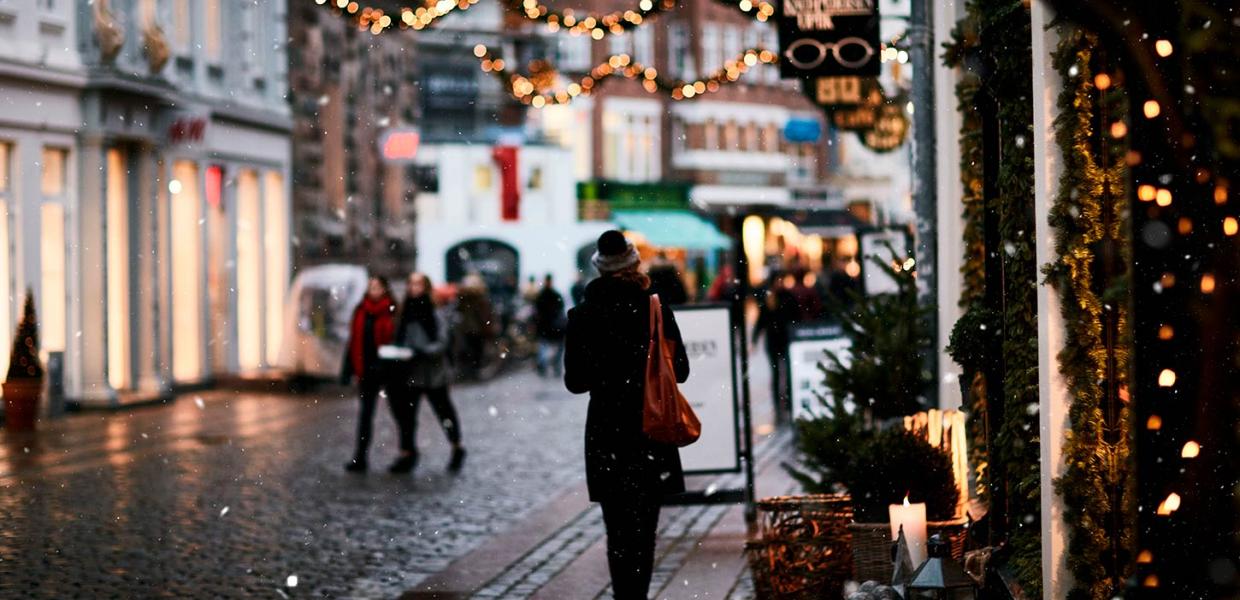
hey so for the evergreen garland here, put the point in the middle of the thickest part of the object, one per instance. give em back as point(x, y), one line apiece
point(1003, 33)
point(1089, 212)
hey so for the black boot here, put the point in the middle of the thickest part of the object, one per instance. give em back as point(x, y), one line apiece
point(357, 465)
point(458, 459)
point(404, 464)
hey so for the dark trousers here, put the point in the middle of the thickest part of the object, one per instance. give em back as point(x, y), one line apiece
point(780, 382)
point(369, 386)
point(631, 527)
point(441, 403)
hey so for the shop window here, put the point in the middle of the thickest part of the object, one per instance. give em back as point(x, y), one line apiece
point(631, 145)
point(147, 10)
point(712, 48)
point(276, 254)
point(52, 259)
point(187, 273)
point(213, 33)
point(731, 136)
point(249, 273)
point(6, 282)
point(182, 30)
point(53, 180)
point(117, 257)
point(680, 52)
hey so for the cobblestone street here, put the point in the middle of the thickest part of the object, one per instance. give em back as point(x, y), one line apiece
point(235, 494)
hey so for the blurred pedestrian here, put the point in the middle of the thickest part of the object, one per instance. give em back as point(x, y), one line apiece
point(665, 281)
point(424, 330)
point(373, 325)
point(776, 312)
point(725, 287)
point(549, 324)
point(477, 324)
point(808, 301)
point(626, 473)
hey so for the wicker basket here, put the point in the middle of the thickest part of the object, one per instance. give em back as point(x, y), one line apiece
point(803, 547)
point(872, 546)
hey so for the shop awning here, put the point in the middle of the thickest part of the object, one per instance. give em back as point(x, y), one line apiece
point(673, 229)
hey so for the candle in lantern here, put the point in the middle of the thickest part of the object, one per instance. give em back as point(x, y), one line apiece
point(912, 517)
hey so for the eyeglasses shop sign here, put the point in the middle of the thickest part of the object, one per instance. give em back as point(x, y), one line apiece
point(829, 38)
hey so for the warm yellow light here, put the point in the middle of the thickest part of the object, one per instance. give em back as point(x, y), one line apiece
point(1185, 225)
point(538, 101)
point(753, 239)
point(1102, 81)
point(249, 290)
point(1151, 109)
point(1118, 129)
point(1207, 284)
point(1191, 450)
point(1166, 378)
point(597, 34)
point(1230, 226)
point(1163, 48)
point(480, 51)
point(1220, 194)
point(688, 90)
point(1167, 280)
point(1163, 197)
point(1166, 332)
point(751, 59)
point(1154, 423)
point(1145, 557)
point(1170, 505)
point(1146, 192)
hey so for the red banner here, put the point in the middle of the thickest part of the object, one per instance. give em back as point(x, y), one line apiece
point(510, 192)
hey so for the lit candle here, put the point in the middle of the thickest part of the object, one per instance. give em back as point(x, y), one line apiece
point(912, 517)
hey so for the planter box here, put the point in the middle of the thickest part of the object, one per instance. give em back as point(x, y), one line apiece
point(21, 403)
point(802, 548)
point(872, 546)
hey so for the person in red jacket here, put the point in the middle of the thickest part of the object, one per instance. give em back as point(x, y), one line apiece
point(373, 325)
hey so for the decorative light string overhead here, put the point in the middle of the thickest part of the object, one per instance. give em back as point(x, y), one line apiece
point(617, 23)
point(539, 89)
point(378, 20)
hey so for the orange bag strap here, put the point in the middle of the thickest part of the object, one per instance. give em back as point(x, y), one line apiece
point(656, 318)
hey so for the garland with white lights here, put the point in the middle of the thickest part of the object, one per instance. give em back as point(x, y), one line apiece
point(376, 20)
point(537, 88)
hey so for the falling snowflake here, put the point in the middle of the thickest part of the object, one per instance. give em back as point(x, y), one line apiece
point(292, 581)
point(198, 401)
point(223, 511)
point(494, 412)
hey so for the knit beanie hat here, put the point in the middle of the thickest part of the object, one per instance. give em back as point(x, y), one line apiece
point(615, 253)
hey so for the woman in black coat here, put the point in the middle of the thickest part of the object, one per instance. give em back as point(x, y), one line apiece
point(626, 473)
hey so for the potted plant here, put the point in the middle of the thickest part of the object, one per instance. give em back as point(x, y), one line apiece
point(857, 443)
point(24, 384)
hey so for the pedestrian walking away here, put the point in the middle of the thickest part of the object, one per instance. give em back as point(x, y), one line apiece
point(549, 323)
point(627, 473)
point(373, 325)
point(424, 331)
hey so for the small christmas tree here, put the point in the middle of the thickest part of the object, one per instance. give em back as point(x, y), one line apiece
point(24, 360)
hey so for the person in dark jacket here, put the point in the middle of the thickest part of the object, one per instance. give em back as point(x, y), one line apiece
point(777, 311)
point(425, 332)
point(373, 325)
point(549, 327)
point(626, 473)
point(665, 281)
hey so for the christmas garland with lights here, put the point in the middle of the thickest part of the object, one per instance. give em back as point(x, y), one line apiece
point(619, 22)
point(1087, 214)
point(537, 87)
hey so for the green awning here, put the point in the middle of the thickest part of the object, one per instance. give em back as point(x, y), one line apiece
point(673, 229)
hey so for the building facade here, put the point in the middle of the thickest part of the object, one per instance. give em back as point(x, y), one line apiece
point(349, 89)
point(150, 219)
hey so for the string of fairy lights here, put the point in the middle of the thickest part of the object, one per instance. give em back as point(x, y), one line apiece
point(539, 86)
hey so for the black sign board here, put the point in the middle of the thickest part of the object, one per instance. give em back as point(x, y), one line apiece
point(829, 38)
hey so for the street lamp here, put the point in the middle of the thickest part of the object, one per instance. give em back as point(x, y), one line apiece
point(940, 577)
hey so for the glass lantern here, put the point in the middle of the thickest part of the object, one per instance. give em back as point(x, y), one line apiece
point(940, 577)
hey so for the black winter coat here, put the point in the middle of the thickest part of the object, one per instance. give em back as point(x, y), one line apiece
point(605, 355)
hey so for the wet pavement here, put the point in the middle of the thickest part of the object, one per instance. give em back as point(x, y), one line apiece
point(243, 495)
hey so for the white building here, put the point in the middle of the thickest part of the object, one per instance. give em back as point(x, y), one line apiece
point(462, 227)
point(144, 157)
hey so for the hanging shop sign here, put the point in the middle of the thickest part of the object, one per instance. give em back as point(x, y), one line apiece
point(399, 145)
point(829, 38)
point(890, 128)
